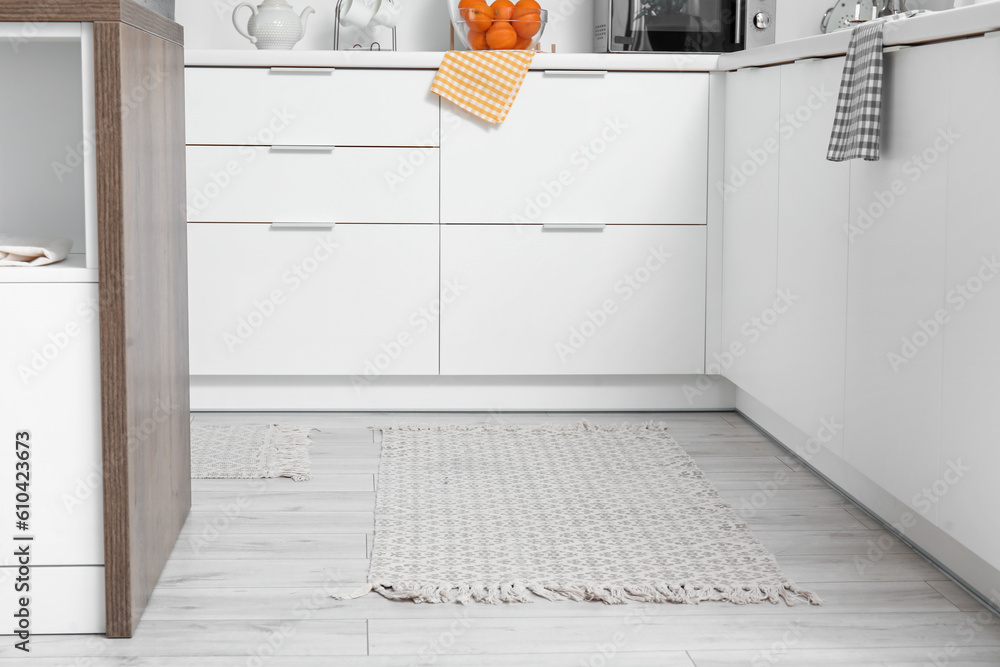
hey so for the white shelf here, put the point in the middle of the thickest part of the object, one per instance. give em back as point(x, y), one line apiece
point(73, 269)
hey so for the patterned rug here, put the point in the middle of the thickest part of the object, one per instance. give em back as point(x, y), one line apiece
point(249, 451)
point(505, 513)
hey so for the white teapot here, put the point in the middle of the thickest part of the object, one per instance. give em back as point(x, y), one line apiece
point(273, 24)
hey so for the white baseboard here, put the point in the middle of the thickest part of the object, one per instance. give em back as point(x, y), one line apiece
point(452, 393)
point(955, 559)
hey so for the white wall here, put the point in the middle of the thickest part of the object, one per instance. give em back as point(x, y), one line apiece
point(423, 25)
point(801, 18)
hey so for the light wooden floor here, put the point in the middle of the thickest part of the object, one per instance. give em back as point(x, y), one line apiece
point(248, 582)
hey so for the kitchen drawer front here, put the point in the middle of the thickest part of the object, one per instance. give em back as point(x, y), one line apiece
point(51, 389)
point(62, 601)
point(523, 300)
point(370, 107)
point(268, 184)
point(627, 147)
point(356, 300)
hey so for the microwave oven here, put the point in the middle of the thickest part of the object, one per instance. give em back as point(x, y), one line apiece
point(688, 26)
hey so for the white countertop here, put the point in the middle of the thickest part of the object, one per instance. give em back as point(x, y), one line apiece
point(930, 27)
point(659, 62)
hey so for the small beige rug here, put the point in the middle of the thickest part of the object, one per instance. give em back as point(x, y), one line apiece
point(505, 513)
point(249, 451)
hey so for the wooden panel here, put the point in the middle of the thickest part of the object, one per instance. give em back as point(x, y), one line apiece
point(126, 11)
point(143, 292)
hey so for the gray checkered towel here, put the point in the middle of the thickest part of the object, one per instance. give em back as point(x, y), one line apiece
point(857, 125)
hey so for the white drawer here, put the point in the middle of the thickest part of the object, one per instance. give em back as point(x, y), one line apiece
point(628, 147)
point(63, 601)
point(573, 301)
point(277, 184)
point(369, 107)
point(50, 387)
point(273, 301)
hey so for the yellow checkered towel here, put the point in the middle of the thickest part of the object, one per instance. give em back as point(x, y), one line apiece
point(482, 82)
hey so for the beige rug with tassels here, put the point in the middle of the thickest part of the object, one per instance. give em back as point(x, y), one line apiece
point(249, 451)
point(505, 513)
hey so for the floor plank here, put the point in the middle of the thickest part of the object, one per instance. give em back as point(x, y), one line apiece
point(694, 633)
point(339, 574)
point(430, 658)
point(796, 519)
point(190, 603)
point(196, 638)
point(230, 546)
point(277, 523)
point(964, 656)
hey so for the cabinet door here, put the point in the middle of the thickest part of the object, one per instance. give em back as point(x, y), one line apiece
point(63, 601)
point(344, 107)
point(812, 254)
point(355, 300)
point(971, 430)
point(273, 184)
point(625, 147)
point(750, 230)
point(896, 279)
point(50, 387)
point(523, 300)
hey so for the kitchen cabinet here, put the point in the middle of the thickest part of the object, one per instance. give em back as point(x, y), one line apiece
point(358, 300)
point(750, 298)
point(65, 600)
point(896, 279)
point(616, 147)
point(970, 430)
point(91, 148)
point(812, 245)
point(49, 387)
point(311, 106)
point(531, 300)
point(310, 184)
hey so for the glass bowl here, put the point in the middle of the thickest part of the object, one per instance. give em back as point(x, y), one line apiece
point(522, 31)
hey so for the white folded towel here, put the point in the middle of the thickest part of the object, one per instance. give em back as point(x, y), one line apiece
point(20, 251)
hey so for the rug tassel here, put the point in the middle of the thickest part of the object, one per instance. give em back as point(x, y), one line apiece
point(361, 592)
point(292, 459)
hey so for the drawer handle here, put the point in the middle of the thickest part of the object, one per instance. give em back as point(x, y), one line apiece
point(301, 149)
point(573, 226)
point(303, 225)
point(303, 70)
point(573, 72)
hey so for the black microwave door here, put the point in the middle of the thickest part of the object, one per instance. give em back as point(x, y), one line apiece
point(690, 25)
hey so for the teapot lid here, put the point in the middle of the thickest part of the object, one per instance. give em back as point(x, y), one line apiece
point(274, 3)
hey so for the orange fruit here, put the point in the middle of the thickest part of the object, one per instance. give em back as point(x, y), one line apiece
point(477, 40)
point(526, 4)
point(502, 9)
point(522, 43)
point(526, 21)
point(463, 4)
point(478, 16)
point(501, 36)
